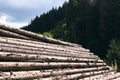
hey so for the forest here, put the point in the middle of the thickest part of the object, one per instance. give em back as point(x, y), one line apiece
point(94, 24)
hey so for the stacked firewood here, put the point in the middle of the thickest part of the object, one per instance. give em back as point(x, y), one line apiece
point(28, 56)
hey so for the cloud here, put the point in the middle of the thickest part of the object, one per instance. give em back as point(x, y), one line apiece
point(17, 24)
point(32, 4)
point(20, 12)
point(7, 20)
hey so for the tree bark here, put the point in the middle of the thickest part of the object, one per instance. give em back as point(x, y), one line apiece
point(11, 34)
point(7, 49)
point(36, 36)
point(41, 49)
point(13, 66)
point(41, 44)
point(8, 56)
point(77, 75)
point(43, 74)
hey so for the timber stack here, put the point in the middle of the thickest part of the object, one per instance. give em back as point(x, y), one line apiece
point(25, 55)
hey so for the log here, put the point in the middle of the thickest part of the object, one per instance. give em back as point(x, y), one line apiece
point(40, 74)
point(37, 50)
point(40, 49)
point(36, 36)
point(10, 34)
point(8, 56)
point(7, 49)
point(75, 76)
point(40, 44)
point(13, 66)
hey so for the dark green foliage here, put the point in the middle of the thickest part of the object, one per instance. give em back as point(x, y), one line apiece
point(91, 23)
point(113, 56)
point(61, 32)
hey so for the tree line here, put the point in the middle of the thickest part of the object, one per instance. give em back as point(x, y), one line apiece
point(91, 23)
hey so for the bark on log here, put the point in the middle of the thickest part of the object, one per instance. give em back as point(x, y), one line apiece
point(10, 34)
point(40, 44)
point(42, 58)
point(12, 66)
point(7, 49)
point(39, 74)
point(37, 50)
point(41, 49)
point(76, 76)
point(36, 36)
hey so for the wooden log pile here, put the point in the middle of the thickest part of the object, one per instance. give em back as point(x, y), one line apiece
point(28, 56)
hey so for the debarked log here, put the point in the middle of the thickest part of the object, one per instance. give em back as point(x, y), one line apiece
point(40, 49)
point(77, 75)
point(43, 74)
point(11, 34)
point(11, 56)
point(36, 36)
point(28, 43)
point(13, 66)
point(41, 44)
point(8, 49)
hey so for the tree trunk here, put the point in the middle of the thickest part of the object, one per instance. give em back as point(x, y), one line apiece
point(11, 34)
point(36, 36)
point(8, 49)
point(44, 74)
point(41, 49)
point(13, 66)
point(41, 44)
point(42, 58)
point(77, 75)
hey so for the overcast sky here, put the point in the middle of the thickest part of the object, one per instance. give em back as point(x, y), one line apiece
point(18, 13)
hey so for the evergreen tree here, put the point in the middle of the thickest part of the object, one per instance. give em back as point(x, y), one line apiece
point(91, 23)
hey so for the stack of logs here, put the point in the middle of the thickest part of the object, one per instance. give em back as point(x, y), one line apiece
point(28, 56)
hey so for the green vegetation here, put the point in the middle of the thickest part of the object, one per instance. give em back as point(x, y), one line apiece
point(113, 56)
point(48, 34)
point(91, 23)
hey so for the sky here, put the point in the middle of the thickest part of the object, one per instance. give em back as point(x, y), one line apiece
point(18, 13)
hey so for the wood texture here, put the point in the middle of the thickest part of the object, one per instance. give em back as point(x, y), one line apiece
point(13, 66)
point(44, 74)
point(30, 56)
point(10, 56)
point(36, 36)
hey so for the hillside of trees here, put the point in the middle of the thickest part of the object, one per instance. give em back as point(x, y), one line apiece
point(91, 23)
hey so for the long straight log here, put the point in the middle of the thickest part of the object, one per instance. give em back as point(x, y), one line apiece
point(83, 75)
point(14, 49)
point(10, 34)
point(36, 36)
point(42, 58)
point(39, 44)
point(77, 76)
point(39, 49)
point(39, 74)
point(7, 49)
point(11, 66)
